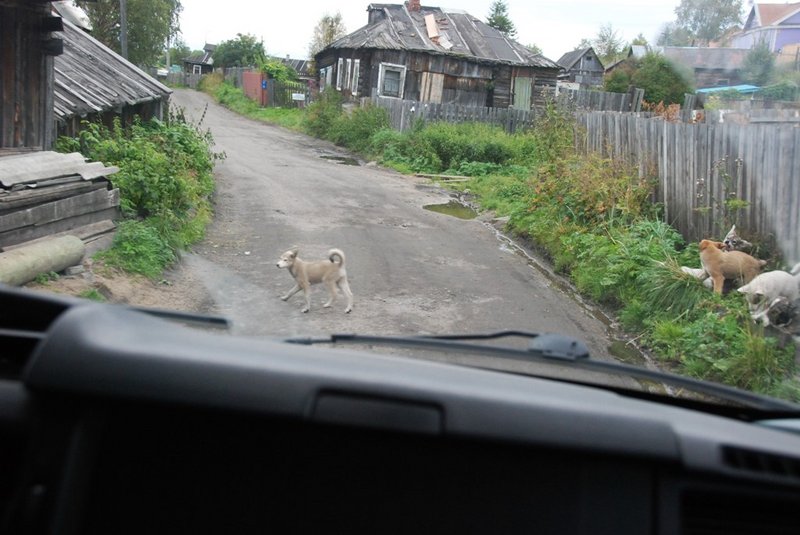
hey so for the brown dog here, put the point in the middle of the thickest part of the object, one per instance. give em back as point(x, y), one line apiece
point(721, 265)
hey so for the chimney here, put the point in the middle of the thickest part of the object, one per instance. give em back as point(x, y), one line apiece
point(413, 5)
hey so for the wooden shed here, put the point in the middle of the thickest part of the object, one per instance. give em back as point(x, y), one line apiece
point(29, 39)
point(582, 66)
point(430, 54)
point(93, 82)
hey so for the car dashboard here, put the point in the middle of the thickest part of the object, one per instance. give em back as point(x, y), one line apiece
point(112, 421)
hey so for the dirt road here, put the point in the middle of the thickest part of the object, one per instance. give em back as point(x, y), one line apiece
point(412, 270)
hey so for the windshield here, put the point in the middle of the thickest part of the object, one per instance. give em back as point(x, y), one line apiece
point(626, 177)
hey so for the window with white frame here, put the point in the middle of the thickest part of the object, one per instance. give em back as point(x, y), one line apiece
point(354, 80)
point(391, 79)
point(339, 74)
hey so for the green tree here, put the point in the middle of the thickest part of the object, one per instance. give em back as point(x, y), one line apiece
point(533, 47)
point(707, 20)
point(277, 70)
point(150, 24)
point(639, 40)
point(607, 44)
point(243, 51)
point(661, 81)
point(179, 51)
point(328, 29)
point(499, 20)
point(759, 65)
point(618, 80)
point(673, 35)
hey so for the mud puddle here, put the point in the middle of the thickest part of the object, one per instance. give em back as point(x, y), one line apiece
point(453, 208)
point(344, 160)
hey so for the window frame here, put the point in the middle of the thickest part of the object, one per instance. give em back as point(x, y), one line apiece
point(393, 67)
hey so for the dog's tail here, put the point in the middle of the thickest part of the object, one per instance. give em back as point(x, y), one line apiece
point(333, 253)
point(796, 270)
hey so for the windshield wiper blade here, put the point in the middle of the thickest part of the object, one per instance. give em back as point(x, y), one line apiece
point(555, 349)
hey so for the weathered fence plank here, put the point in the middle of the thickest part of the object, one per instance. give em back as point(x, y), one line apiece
point(692, 162)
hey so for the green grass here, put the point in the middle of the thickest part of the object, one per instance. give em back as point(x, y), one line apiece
point(235, 99)
point(93, 295)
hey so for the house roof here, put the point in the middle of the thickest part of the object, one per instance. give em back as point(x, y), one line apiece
point(299, 65)
point(569, 59)
point(204, 58)
point(769, 14)
point(92, 78)
point(705, 58)
point(447, 32)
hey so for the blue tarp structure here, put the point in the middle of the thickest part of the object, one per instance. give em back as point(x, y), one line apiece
point(740, 88)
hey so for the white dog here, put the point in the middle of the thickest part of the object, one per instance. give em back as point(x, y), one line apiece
point(763, 290)
point(329, 271)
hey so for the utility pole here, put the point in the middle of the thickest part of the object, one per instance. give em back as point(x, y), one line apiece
point(123, 27)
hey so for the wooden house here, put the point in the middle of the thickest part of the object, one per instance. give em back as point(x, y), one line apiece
point(582, 66)
point(775, 24)
point(709, 67)
point(202, 63)
point(429, 54)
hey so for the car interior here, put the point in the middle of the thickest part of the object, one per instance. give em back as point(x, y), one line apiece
point(115, 421)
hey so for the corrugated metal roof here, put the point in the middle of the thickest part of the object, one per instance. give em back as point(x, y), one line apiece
point(33, 167)
point(460, 34)
point(91, 78)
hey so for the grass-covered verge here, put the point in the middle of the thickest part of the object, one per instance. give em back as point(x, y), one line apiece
point(235, 100)
point(594, 218)
point(165, 182)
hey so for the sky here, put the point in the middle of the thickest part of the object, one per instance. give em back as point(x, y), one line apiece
point(285, 27)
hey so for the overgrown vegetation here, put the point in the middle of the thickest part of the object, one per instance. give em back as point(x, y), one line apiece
point(595, 219)
point(165, 182)
point(235, 99)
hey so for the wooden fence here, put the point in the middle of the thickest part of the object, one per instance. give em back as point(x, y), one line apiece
point(705, 170)
point(404, 113)
point(583, 100)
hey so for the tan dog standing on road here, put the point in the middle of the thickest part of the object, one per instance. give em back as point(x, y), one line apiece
point(329, 271)
point(721, 265)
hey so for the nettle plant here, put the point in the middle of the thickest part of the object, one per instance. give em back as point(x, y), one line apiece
point(727, 208)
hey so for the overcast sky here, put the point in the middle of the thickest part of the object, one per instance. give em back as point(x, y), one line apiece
point(285, 27)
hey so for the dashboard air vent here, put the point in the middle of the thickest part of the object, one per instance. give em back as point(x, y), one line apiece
point(25, 317)
point(759, 463)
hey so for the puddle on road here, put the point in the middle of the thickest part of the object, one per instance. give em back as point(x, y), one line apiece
point(344, 160)
point(453, 208)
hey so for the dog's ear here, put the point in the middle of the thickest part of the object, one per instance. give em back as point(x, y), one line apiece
point(294, 250)
point(719, 245)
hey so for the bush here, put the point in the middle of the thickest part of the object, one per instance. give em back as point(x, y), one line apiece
point(165, 182)
point(355, 130)
point(323, 113)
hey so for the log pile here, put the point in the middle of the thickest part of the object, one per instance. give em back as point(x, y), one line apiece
point(48, 193)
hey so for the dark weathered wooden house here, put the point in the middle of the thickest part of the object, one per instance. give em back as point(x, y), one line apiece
point(429, 54)
point(29, 39)
point(93, 82)
point(582, 66)
point(202, 63)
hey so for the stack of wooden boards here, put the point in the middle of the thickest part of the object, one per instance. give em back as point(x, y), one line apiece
point(46, 193)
